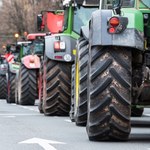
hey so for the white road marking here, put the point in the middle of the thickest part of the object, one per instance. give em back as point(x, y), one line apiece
point(20, 114)
point(14, 104)
point(146, 114)
point(9, 116)
point(68, 120)
point(45, 144)
point(28, 108)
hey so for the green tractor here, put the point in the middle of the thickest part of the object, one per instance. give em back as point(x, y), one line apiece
point(64, 27)
point(118, 67)
point(78, 111)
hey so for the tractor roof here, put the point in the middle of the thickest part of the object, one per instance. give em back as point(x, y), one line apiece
point(23, 42)
point(82, 2)
point(33, 36)
point(87, 2)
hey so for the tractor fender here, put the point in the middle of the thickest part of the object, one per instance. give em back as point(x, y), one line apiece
point(31, 61)
point(65, 55)
point(85, 32)
point(99, 35)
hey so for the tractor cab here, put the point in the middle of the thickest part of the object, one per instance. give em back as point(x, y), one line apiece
point(36, 46)
point(82, 13)
point(74, 15)
point(144, 8)
point(108, 4)
point(12, 53)
point(24, 48)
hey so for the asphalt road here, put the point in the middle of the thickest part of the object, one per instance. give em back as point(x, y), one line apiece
point(24, 128)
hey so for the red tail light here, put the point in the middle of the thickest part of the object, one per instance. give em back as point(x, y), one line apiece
point(117, 24)
point(59, 46)
point(58, 57)
point(114, 21)
point(112, 30)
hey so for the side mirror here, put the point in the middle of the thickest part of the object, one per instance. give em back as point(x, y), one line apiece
point(40, 25)
point(117, 6)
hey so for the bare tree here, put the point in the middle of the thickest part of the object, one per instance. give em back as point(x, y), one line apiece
point(20, 16)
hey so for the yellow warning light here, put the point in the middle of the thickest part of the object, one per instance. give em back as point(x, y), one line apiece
point(74, 51)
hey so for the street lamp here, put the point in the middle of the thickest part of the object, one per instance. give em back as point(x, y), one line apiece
point(16, 36)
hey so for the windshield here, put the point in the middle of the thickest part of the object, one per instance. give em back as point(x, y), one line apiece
point(38, 48)
point(107, 4)
point(82, 16)
point(26, 49)
point(128, 3)
point(146, 2)
point(35, 47)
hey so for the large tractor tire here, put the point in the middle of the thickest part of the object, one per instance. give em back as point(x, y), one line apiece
point(109, 93)
point(27, 86)
point(3, 87)
point(40, 105)
point(16, 89)
point(16, 94)
point(57, 88)
point(81, 106)
point(11, 88)
point(72, 118)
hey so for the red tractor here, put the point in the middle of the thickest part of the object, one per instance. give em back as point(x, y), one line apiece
point(28, 76)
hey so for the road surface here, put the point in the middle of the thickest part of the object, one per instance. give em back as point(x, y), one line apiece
point(24, 128)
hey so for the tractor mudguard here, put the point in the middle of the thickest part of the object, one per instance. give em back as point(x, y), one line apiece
point(14, 67)
point(64, 53)
point(85, 32)
point(31, 61)
point(99, 35)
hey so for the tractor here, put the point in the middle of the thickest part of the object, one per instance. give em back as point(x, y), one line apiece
point(64, 27)
point(3, 81)
point(118, 67)
point(27, 79)
point(78, 113)
point(11, 56)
